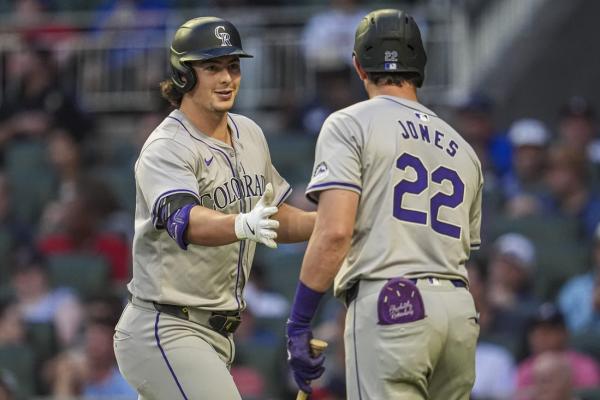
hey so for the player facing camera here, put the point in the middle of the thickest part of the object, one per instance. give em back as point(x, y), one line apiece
point(205, 49)
point(206, 196)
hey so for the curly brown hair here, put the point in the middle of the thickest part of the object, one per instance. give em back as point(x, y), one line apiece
point(170, 93)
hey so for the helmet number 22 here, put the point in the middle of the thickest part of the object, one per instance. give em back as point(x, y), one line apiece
point(438, 200)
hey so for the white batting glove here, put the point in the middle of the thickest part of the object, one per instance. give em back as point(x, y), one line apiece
point(256, 225)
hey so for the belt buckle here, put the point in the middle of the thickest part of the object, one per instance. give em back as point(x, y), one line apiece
point(225, 324)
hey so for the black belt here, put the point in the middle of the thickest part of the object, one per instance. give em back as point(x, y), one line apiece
point(352, 292)
point(223, 322)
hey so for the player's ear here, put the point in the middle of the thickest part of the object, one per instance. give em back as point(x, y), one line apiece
point(359, 70)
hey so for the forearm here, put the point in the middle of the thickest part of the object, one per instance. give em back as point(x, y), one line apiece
point(199, 225)
point(295, 225)
point(208, 227)
point(323, 259)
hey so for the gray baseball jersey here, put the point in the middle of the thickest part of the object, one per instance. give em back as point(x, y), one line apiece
point(177, 158)
point(420, 188)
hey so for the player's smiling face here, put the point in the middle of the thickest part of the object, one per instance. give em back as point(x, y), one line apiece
point(218, 81)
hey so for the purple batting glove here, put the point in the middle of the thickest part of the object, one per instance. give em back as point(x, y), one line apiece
point(305, 367)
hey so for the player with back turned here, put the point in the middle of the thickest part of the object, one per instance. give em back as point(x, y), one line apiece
point(399, 210)
point(206, 193)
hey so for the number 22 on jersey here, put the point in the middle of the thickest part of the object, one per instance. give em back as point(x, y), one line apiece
point(438, 200)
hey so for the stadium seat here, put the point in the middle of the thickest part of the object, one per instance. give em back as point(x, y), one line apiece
point(20, 361)
point(282, 268)
point(263, 358)
point(42, 339)
point(293, 156)
point(559, 254)
point(588, 394)
point(88, 274)
point(6, 243)
point(588, 343)
point(31, 181)
point(121, 181)
point(25, 156)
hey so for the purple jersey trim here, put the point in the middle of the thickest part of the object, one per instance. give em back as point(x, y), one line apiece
point(242, 204)
point(165, 194)
point(321, 185)
point(310, 196)
point(237, 131)
point(284, 196)
point(356, 351)
point(237, 278)
point(162, 351)
point(208, 145)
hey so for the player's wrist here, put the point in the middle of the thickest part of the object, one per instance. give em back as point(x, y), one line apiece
point(293, 328)
point(304, 308)
point(239, 226)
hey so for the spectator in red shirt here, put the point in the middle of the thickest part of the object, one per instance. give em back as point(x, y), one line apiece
point(552, 377)
point(83, 214)
point(548, 334)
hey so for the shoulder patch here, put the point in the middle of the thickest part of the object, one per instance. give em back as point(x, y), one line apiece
point(321, 172)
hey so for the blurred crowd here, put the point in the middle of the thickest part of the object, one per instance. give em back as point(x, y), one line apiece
point(66, 224)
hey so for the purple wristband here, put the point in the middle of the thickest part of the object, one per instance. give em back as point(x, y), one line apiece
point(303, 310)
point(177, 224)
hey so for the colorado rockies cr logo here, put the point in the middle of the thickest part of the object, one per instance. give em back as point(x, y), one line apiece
point(224, 36)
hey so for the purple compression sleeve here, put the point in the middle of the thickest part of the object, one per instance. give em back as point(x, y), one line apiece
point(177, 224)
point(303, 310)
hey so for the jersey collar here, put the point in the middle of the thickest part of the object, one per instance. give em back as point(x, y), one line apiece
point(407, 103)
point(201, 135)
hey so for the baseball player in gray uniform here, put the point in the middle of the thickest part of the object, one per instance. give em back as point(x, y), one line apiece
point(206, 194)
point(399, 210)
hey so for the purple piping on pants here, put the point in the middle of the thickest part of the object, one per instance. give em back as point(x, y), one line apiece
point(165, 357)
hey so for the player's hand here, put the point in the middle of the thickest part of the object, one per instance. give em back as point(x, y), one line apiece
point(256, 225)
point(305, 367)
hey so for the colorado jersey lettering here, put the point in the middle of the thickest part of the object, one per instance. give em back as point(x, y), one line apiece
point(178, 158)
point(420, 190)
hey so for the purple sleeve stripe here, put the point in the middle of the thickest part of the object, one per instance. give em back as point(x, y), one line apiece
point(237, 131)
point(315, 188)
point(328, 184)
point(208, 145)
point(284, 196)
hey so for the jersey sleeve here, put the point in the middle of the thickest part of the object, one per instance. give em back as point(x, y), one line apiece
point(281, 187)
point(165, 168)
point(337, 158)
point(475, 218)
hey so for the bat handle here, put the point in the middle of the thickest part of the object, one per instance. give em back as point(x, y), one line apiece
point(317, 346)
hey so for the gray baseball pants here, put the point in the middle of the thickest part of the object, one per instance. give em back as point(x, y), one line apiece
point(165, 357)
point(429, 359)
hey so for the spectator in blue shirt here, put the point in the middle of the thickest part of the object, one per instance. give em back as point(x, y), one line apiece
point(524, 185)
point(92, 372)
point(579, 298)
point(476, 125)
point(571, 195)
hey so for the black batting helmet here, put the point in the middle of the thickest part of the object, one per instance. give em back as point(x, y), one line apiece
point(390, 41)
point(200, 39)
